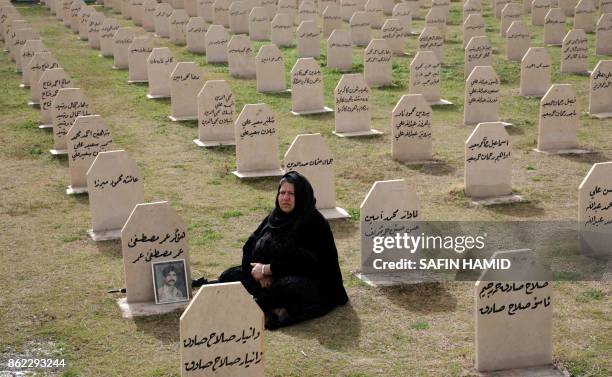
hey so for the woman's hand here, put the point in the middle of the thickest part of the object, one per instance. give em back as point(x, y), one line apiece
point(266, 282)
point(260, 271)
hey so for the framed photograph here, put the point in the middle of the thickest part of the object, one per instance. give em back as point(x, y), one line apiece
point(169, 282)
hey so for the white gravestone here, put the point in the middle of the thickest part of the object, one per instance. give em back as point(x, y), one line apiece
point(178, 26)
point(256, 143)
point(375, 13)
point(51, 81)
point(270, 70)
point(310, 156)
point(584, 16)
point(340, 50)
point(307, 88)
point(153, 232)
point(605, 6)
point(217, 39)
point(595, 211)
point(437, 18)
point(221, 12)
point(331, 19)
point(513, 313)
point(539, 9)
point(216, 106)
point(402, 12)
point(34, 69)
point(205, 10)
point(190, 7)
point(84, 16)
point(511, 12)
point(559, 120)
point(75, 8)
point(186, 81)
point(122, 40)
point(238, 17)
point(196, 35)
point(347, 9)
point(471, 7)
point(575, 53)
point(377, 68)
point(307, 11)
point(425, 77)
point(603, 39)
point(114, 185)
point(536, 68)
point(207, 319)
point(478, 52)
point(69, 103)
point(431, 39)
point(473, 26)
point(360, 29)
point(148, 15)
point(137, 11)
point(270, 6)
point(138, 53)
point(93, 30)
point(482, 89)
point(160, 65)
point(488, 162)
point(163, 11)
point(396, 35)
point(87, 137)
point(20, 39)
point(288, 7)
point(498, 6)
point(259, 24)
point(282, 30)
point(352, 97)
point(600, 94)
point(29, 49)
point(240, 57)
point(554, 27)
point(308, 38)
point(411, 121)
point(518, 41)
point(107, 32)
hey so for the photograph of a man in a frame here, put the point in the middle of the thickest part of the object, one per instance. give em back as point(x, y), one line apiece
point(169, 281)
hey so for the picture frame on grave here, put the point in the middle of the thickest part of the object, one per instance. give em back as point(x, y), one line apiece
point(166, 293)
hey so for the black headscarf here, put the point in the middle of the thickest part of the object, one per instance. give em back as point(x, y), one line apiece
point(304, 203)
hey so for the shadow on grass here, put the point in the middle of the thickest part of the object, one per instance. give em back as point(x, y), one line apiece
point(437, 169)
point(421, 297)
point(338, 330)
point(590, 158)
point(164, 327)
point(111, 247)
point(261, 184)
point(515, 130)
point(526, 209)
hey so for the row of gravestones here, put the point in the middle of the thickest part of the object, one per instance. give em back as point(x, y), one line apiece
point(204, 351)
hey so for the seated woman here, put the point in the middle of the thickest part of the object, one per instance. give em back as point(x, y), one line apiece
point(290, 263)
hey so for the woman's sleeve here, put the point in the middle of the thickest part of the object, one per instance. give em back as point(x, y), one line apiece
point(247, 249)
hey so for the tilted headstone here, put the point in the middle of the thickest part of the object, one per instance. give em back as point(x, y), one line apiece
point(575, 52)
point(153, 232)
point(307, 88)
point(310, 156)
point(603, 39)
point(396, 35)
point(115, 186)
point(270, 70)
point(488, 161)
point(163, 11)
point(536, 69)
point(213, 312)
point(340, 50)
point(34, 69)
point(360, 29)
point(473, 26)
point(256, 142)
point(595, 211)
point(377, 69)
point(308, 38)
point(478, 52)
point(431, 39)
point(352, 98)
point(307, 11)
point(347, 9)
point(121, 46)
point(259, 24)
point(240, 57)
point(511, 12)
point(554, 27)
point(411, 121)
point(425, 77)
point(471, 7)
point(437, 18)
point(29, 49)
point(186, 81)
point(84, 15)
point(331, 19)
point(375, 14)
point(539, 9)
point(584, 16)
point(559, 119)
point(238, 17)
point(205, 10)
point(68, 104)
point(482, 89)
point(196, 35)
point(160, 65)
point(149, 8)
point(93, 29)
point(87, 137)
point(600, 93)
point(216, 106)
point(49, 83)
point(217, 39)
point(518, 41)
point(138, 53)
point(403, 13)
point(282, 30)
point(513, 309)
point(107, 33)
point(178, 26)
point(221, 12)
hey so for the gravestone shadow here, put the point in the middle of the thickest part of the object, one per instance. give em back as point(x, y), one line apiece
point(525, 209)
point(589, 158)
point(110, 247)
point(421, 297)
point(438, 168)
point(338, 330)
point(163, 327)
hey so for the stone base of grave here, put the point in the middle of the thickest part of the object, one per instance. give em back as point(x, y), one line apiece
point(310, 112)
point(602, 115)
point(57, 152)
point(497, 200)
point(539, 371)
point(138, 81)
point(105, 56)
point(564, 151)
point(156, 96)
point(370, 132)
point(142, 309)
point(391, 279)
point(105, 235)
point(554, 44)
point(505, 124)
point(213, 143)
point(334, 213)
point(118, 68)
point(33, 104)
point(276, 91)
point(422, 162)
point(22, 85)
point(440, 102)
point(76, 190)
point(159, 36)
point(45, 126)
point(259, 173)
point(17, 70)
point(181, 119)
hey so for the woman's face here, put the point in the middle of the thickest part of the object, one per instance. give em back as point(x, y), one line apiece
point(286, 197)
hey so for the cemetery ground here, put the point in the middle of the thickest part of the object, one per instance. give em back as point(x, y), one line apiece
point(54, 278)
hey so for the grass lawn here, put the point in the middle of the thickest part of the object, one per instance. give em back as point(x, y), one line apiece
point(54, 278)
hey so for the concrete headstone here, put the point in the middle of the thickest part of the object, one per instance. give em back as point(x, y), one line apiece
point(377, 68)
point(411, 121)
point(600, 93)
point(559, 119)
point(68, 104)
point(340, 50)
point(186, 81)
point(217, 39)
point(536, 68)
point(481, 98)
point(270, 70)
point(216, 106)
